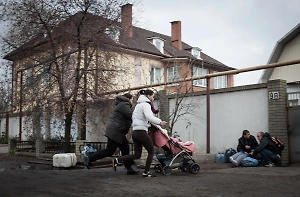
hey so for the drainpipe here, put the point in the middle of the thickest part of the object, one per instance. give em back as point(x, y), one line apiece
point(208, 115)
point(7, 125)
point(20, 106)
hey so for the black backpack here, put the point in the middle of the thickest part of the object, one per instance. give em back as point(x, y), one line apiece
point(228, 153)
point(278, 143)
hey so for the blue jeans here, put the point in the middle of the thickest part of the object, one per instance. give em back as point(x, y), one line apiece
point(268, 156)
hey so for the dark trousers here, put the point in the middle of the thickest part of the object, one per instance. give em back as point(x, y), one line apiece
point(110, 150)
point(268, 156)
point(141, 138)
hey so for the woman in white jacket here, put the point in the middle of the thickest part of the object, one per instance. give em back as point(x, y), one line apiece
point(142, 116)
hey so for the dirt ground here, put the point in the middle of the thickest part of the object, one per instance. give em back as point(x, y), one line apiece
point(23, 176)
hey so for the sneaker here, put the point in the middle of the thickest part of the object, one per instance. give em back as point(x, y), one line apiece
point(87, 162)
point(270, 165)
point(279, 158)
point(115, 164)
point(148, 175)
point(234, 162)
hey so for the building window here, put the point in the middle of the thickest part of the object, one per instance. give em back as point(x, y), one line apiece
point(113, 33)
point(159, 44)
point(199, 72)
point(293, 98)
point(173, 73)
point(196, 52)
point(155, 75)
point(220, 82)
point(45, 75)
point(293, 102)
point(29, 77)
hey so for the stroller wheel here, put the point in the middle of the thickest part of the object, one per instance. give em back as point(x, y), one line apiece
point(185, 167)
point(194, 168)
point(167, 170)
point(158, 168)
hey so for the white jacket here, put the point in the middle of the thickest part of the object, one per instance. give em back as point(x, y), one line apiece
point(142, 115)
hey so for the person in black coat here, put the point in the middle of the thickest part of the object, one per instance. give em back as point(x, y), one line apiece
point(246, 144)
point(116, 131)
point(267, 149)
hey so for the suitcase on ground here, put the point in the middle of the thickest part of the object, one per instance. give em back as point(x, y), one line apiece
point(64, 160)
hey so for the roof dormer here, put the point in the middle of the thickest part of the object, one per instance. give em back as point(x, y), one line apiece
point(158, 43)
point(195, 51)
point(113, 33)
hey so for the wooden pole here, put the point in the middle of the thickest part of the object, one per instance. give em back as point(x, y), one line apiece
point(230, 72)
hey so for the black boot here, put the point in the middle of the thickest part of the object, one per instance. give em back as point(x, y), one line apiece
point(131, 171)
point(87, 162)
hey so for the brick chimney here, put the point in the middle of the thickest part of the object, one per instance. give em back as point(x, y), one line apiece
point(176, 34)
point(126, 19)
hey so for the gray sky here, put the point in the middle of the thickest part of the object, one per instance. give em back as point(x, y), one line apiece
point(238, 33)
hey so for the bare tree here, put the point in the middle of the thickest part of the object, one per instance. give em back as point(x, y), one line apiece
point(5, 87)
point(184, 102)
point(64, 53)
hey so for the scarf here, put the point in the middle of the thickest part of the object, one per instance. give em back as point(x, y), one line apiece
point(155, 111)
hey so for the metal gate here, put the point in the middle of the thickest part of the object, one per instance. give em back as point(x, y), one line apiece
point(294, 133)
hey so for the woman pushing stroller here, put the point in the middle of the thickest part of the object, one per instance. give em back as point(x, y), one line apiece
point(142, 116)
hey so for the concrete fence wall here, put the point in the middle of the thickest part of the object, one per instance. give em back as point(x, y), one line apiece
point(232, 110)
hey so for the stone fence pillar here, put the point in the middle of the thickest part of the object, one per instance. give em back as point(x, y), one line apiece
point(277, 100)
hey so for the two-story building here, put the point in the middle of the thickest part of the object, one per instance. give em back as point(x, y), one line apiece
point(174, 59)
point(142, 57)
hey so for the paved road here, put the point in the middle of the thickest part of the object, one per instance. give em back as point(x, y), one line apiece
point(231, 182)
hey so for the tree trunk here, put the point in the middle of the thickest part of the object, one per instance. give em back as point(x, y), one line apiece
point(68, 124)
point(47, 125)
point(84, 95)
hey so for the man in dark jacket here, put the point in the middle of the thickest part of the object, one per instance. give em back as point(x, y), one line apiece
point(116, 131)
point(267, 149)
point(246, 144)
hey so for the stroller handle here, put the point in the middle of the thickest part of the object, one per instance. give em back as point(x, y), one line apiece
point(161, 129)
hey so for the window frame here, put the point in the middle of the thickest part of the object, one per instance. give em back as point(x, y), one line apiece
point(196, 51)
point(161, 41)
point(153, 78)
point(200, 82)
point(28, 77)
point(222, 84)
point(175, 74)
point(161, 44)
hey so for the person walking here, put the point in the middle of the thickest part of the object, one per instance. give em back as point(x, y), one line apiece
point(141, 118)
point(116, 131)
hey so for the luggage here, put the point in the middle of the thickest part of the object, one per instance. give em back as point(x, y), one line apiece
point(228, 153)
point(249, 162)
point(64, 160)
point(87, 150)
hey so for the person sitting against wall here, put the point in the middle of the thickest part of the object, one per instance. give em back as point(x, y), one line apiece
point(267, 149)
point(246, 144)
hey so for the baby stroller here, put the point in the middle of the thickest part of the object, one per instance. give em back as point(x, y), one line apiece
point(176, 154)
